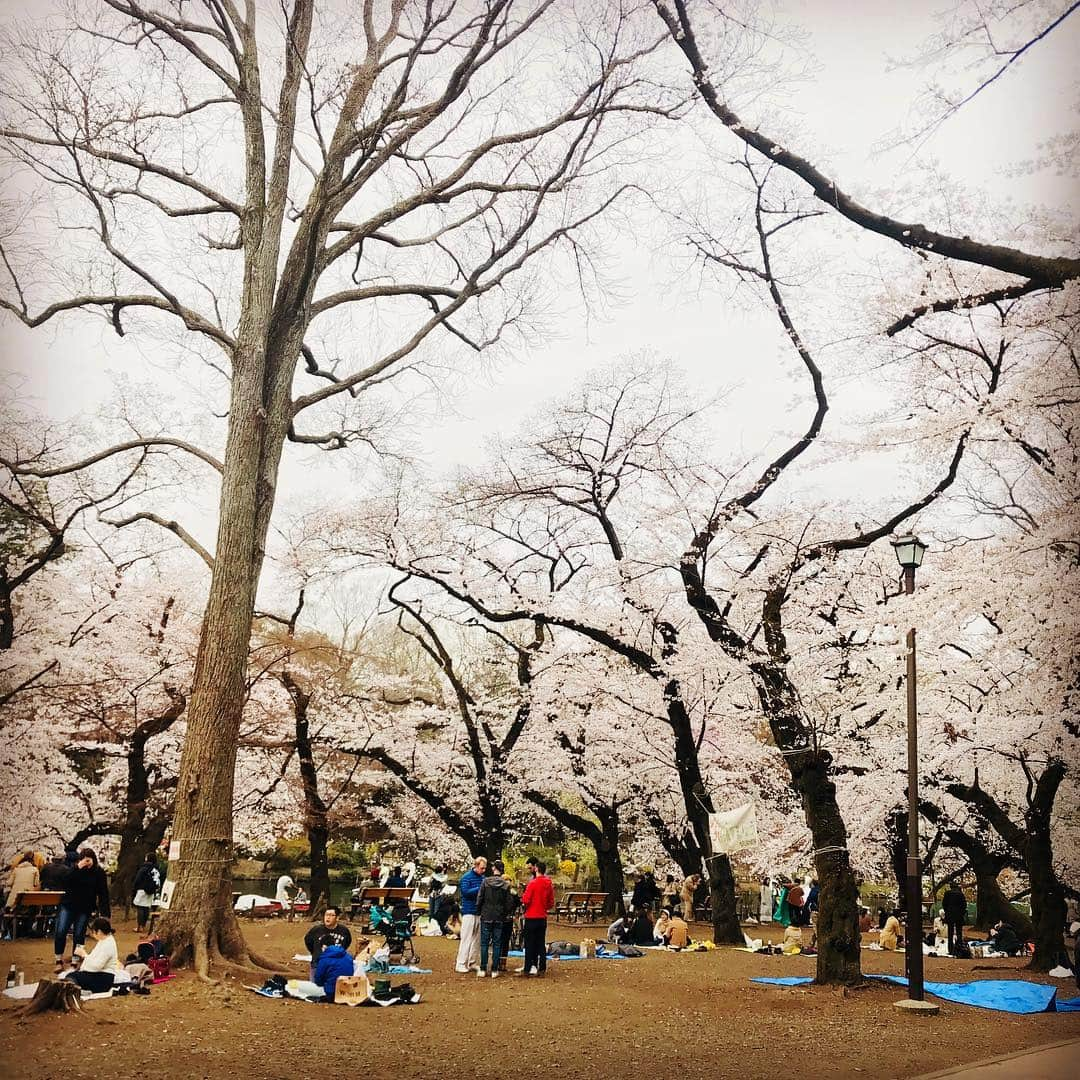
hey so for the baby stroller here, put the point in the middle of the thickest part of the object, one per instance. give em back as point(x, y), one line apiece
point(397, 926)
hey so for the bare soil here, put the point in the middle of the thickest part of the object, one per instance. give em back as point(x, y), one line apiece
point(685, 1016)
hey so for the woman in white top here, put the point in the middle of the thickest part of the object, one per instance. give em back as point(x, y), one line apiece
point(100, 965)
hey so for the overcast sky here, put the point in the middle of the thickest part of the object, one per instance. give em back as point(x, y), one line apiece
point(842, 112)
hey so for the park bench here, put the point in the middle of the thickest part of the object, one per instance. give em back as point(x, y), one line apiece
point(581, 906)
point(32, 905)
point(378, 894)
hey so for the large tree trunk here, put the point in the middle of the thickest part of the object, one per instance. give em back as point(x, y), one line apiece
point(201, 925)
point(838, 938)
point(698, 803)
point(608, 860)
point(1047, 898)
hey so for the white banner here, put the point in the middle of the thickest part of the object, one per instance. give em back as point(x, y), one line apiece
point(733, 830)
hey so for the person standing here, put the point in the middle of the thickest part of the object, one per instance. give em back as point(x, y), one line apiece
point(494, 904)
point(538, 899)
point(145, 887)
point(686, 894)
point(87, 892)
point(23, 878)
point(468, 956)
point(954, 908)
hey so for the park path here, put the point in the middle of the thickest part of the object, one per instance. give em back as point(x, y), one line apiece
point(1055, 1061)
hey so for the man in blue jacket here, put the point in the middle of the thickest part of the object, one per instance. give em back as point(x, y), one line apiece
point(468, 957)
point(333, 963)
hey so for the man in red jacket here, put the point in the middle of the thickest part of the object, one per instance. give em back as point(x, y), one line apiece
point(538, 899)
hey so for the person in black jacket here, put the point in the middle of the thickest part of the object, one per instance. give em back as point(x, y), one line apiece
point(144, 888)
point(646, 892)
point(953, 909)
point(55, 874)
point(87, 893)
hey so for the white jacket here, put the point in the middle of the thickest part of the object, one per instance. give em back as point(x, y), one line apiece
point(102, 957)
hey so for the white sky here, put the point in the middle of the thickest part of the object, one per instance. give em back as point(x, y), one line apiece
point(841, 113)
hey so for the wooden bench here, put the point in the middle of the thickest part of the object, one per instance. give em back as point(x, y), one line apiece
point(378, 894)
point(581, 906)
point(32, 905)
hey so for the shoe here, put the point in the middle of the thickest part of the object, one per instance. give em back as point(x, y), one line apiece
point(533, 971)
point(494, 974)
point(481, 974)
point(463, 971)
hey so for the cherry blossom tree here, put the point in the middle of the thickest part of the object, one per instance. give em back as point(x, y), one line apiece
point(379, 160)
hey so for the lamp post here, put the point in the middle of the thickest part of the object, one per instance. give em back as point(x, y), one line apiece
point(909, 553)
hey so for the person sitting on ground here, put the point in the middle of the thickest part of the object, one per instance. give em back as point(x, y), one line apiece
point(792, 943)
point(890, 938)
point(333, 964)
point(101, 964)
point(641, 929)
point(617, 932)
point(329, 932)
point(396, 880)
point(662, 927)
point(1004, 939)
point(444, 909)
point(678, 935)
point(23, 878)
point(865, 922)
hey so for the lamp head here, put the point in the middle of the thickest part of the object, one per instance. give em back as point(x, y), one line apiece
point(909, 551)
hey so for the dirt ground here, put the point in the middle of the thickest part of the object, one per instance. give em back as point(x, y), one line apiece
point(683, 1016)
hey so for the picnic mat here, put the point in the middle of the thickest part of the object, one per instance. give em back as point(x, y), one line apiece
point(368, 1002)
point(1001, 995)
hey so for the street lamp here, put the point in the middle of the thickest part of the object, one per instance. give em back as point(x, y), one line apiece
point(909, 553)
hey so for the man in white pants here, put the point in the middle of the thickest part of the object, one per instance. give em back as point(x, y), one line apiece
point(468, 957)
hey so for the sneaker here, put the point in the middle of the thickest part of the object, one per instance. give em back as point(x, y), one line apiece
point(533, 971)
point(462, 971)
point(494, 974)
point(481, 974)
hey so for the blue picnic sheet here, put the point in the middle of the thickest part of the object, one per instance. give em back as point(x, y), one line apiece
point(1002, 995)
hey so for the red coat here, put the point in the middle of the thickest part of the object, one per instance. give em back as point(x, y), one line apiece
point(538, 898)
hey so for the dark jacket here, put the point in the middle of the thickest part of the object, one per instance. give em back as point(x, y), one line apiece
point(641, 931)
point(495, 902)
point(333, 964)
point(54, 876)
point(954, 906)
point(87, 891)
point(321, 937)
point(470, 889)
point(645, 893)
point(148, 879)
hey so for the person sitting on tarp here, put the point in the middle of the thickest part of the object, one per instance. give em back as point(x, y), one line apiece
point(678, 933)
point(662, 927)
point(890, 937)
point(1004, 939)
point(619, 930)
point(333, 964)
point(641, 929)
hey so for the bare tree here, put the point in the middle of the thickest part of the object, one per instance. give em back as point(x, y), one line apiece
point(379, 162)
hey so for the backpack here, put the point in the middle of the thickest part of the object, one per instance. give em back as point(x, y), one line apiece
point(962, 952)
point(630, 950)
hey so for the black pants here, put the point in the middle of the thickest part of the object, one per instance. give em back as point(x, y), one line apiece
point(97, 982)
point(535, 948)
point(956, 935)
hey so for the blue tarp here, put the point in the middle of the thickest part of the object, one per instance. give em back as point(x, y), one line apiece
point(1002, 995)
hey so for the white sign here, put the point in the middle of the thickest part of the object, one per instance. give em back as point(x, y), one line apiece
point(166, 895)
point(174, 850)
point(733, 830)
